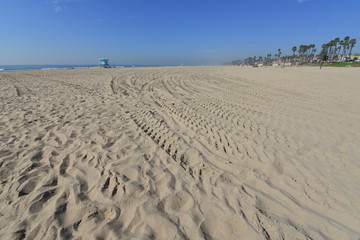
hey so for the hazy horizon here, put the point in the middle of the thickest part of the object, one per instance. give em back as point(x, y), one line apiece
point(65, 32)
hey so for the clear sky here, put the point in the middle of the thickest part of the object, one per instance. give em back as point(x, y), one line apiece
point(167, 32)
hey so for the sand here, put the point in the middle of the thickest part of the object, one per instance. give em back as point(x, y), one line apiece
point(180, 153)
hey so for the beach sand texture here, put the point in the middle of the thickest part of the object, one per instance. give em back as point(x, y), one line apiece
point(180, 153)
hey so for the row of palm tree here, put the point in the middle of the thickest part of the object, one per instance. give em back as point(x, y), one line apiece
point(335, 50)
point(306, 52)
point(338, 49)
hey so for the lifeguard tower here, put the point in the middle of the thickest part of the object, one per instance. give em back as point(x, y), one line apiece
point(104, 62)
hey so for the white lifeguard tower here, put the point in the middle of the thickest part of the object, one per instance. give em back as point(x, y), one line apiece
point(104, 62)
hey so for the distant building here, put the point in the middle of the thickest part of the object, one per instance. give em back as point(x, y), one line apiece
point(104, 62)
point(355, 56)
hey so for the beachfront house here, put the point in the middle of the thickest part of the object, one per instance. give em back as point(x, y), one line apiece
point(104, 62)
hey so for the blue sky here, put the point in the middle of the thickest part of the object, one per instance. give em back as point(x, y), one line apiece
point(167, 32)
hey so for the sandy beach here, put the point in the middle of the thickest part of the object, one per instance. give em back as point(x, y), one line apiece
point(180, 153)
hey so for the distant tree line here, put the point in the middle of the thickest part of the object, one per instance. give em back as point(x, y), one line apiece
point(334, 50)
point(338, 49)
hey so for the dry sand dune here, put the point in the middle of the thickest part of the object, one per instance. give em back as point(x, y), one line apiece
point(180, 153)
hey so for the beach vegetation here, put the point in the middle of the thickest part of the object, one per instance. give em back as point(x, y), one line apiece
point(336, 52)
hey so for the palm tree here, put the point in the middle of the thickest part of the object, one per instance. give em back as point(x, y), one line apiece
point(313, 51)
point(336, 41)
point(279, 53)
point(294, 48)
point(352, 44)
point(302, 52)
point(342, 45)
point(310, 52)
point(331, 49)
point(323, 54)
point(345, 43)
point(260, 59)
